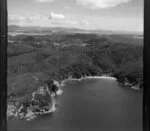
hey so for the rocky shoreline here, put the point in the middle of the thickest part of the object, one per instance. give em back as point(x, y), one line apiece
point(132, 86)
point(105, 76)
point(43, 101)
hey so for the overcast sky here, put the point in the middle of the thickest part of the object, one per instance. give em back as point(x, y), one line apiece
point(119, 15)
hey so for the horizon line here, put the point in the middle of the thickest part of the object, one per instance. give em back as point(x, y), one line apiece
point(119, 31)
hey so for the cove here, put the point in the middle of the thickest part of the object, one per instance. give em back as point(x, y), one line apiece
point(90, 105)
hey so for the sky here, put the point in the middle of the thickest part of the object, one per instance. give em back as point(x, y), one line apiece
point(114, 15)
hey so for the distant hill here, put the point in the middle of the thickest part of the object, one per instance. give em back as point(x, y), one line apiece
point(62, 30)
point(35, 29)
point(13, 28)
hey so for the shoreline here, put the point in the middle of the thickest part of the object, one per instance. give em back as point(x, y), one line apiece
point(105, 76)
point(62, 83)
point(31, 115)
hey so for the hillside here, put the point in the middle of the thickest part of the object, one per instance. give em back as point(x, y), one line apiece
point(64, 30)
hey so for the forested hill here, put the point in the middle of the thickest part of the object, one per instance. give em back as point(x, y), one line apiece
point(62, 55)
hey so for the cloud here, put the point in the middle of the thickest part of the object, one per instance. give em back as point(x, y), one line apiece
point(83, 22)
point(25, 20)
point(95, 4)
point(54, 19)
point(15, 19)
point(44, 1)
point(58, 19)
point(56, 16)
point(70, 23)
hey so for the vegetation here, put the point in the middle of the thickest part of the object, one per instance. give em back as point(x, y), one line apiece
point(100, 55)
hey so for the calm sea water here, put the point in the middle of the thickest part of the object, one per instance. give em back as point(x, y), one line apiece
point(90, 105)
